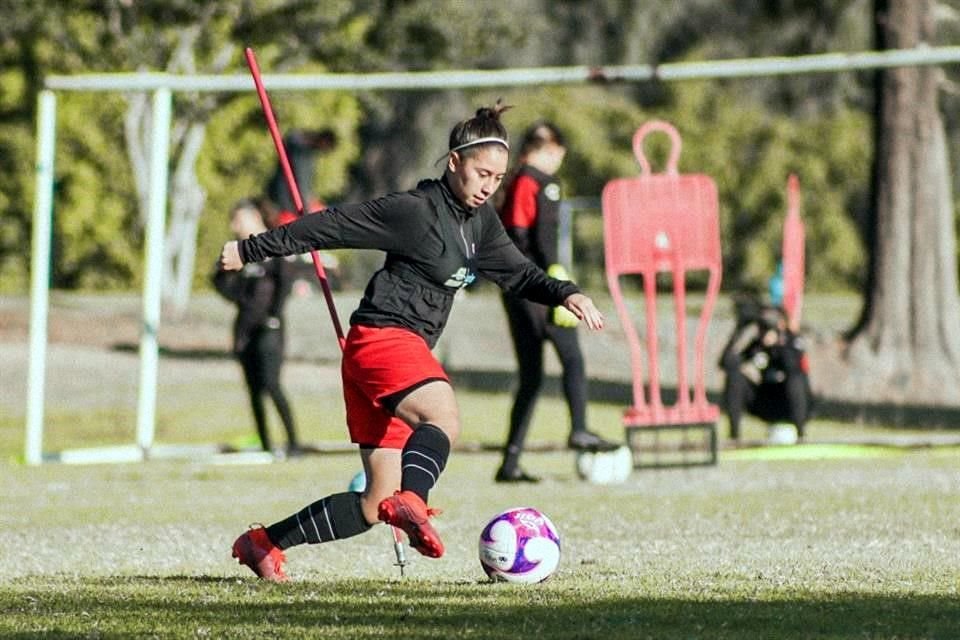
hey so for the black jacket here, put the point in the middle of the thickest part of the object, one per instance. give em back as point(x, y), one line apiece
point(435, 246)
point(260, 292)
point(765, 353)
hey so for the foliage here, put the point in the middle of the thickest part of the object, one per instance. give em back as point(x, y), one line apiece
point(98, 237)
point(239, 157)
point(748, 134)
point(747, 150)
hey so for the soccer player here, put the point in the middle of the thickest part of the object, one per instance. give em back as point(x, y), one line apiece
point(530, 214)
point(260, 292)
point(401, 409)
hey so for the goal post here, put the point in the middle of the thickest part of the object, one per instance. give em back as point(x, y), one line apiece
point(162, 86)
point(40, 274)
point(153, 272)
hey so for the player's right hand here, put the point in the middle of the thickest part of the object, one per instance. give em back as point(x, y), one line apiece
point(230, 257)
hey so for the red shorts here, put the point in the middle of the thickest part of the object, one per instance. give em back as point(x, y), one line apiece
point(377, 363)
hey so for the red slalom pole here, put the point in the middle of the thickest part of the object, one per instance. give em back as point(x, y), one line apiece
point(292, 186)
point(317, 262)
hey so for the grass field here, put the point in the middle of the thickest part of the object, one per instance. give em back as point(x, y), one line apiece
point(832, 547)
point(853, 535)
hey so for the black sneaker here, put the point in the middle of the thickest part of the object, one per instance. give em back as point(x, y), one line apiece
point(295, 451)
point(589, 441)
point(516, 475)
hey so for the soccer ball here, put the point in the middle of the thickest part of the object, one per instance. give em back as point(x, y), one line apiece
point(520, 545)
point(782, 433)
point(605, 467)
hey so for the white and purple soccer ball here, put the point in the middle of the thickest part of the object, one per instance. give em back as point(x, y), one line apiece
point(520, 545)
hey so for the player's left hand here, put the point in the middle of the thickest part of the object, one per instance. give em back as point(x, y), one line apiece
point(583, 307)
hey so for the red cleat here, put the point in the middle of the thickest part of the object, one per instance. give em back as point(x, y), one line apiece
point(255, 550)
point(406, 510)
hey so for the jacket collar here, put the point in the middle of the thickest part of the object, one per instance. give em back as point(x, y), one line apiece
point(453, 201)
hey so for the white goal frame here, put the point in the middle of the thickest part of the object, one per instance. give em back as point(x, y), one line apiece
point(162, 86)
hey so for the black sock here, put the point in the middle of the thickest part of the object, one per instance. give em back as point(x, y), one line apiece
point(423, 459)
point(333, 518)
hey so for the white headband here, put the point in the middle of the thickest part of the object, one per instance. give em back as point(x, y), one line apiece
point(482, 141)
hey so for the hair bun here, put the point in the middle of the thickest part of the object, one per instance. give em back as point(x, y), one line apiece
point(494, 111)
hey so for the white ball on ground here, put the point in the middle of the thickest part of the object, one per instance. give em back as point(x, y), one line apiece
point(781, 433)
point(607, 467)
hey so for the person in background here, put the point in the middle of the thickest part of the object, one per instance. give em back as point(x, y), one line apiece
point(303, 147)
point(530, 214)
point(401, 408)
point(766, 370)
point(260, 291)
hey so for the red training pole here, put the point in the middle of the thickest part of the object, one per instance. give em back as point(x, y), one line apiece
point(317, 262)
point(292, 186)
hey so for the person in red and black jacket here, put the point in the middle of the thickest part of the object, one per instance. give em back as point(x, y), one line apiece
point(401, 408)
point(260, 292)
point(530, 214)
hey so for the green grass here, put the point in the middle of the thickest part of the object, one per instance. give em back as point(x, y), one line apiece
point(847, 537)
point(359, 608)
point(818, 548)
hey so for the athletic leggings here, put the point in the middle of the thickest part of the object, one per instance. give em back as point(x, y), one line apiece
point(261, 361)
point(530, 329)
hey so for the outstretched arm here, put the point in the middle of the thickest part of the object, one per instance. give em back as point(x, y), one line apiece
point(387, 223)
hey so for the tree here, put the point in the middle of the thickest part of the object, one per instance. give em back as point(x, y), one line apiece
point(187, 195)
point(906, 345)
point(177, 37)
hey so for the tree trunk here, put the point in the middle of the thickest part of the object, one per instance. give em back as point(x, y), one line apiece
point(136, 129)
point(187, 196)
point(187, 199)
point(906, 347)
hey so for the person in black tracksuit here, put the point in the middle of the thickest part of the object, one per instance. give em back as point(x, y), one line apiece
point(766, 370)
point(401, 409)
point(260, 291)
point(530, 214)
point(303, 147)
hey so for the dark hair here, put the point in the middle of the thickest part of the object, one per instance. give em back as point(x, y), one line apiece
point(269, 211)
point(484, 124)
point(540, 134)
point(750, 309)
point(241, 204)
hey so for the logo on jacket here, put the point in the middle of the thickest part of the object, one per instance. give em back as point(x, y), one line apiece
point(253, 270)
point(461, 278)
point(552, 191)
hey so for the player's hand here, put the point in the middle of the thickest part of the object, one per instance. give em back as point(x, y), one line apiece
point(583, 308)
point(230, 257)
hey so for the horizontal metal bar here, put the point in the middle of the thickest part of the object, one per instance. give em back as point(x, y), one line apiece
point(414, 80)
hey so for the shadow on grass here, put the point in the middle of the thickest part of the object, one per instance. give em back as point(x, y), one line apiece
point(219, 607)
point(621, 393)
